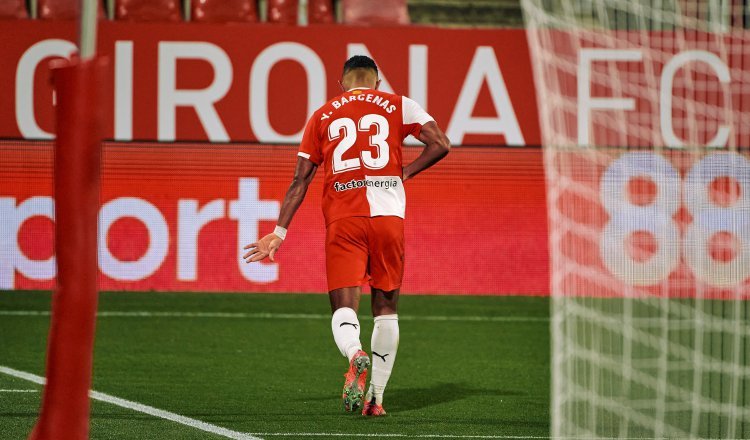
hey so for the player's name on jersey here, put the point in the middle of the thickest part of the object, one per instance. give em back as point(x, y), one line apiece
point(354, 183)
point(365, 97)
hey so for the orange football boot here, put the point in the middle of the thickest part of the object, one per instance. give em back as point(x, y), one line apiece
point(373, 409)
point(354, 381)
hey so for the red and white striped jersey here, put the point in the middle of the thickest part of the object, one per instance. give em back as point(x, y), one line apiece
point(357, 138)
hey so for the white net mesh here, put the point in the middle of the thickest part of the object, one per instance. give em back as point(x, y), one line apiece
point(645, 114)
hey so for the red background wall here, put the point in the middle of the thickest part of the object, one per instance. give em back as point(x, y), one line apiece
point(476, 224)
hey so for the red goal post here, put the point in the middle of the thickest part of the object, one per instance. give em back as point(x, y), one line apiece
point(77, 82)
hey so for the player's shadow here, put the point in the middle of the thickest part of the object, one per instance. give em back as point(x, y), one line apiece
point(406, 399)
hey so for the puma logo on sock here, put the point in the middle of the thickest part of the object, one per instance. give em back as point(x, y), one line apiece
point(349, 323)
point(381, 356)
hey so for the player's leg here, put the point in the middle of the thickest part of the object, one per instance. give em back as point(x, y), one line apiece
point(344, 322)
point(345, 326)
point(386, 269)
point(346, 267)
point(384, 346)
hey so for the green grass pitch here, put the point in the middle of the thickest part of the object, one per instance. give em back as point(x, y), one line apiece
point(467, 366)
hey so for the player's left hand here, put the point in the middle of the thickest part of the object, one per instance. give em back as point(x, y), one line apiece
point(265, 247)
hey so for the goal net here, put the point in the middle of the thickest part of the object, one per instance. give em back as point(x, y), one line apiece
point(645, 115)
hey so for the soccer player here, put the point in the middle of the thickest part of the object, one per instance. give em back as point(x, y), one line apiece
point(357, 138)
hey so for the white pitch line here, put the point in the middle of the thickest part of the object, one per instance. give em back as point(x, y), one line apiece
point(262, 315)
point(19, 391)
point(398, 435)
point(139, 407)
point(207, 427)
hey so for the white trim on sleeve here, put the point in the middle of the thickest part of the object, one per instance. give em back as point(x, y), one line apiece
point(305, 155)
point(413, 113)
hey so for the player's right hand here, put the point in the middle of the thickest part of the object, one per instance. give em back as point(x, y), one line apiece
point(265, 247)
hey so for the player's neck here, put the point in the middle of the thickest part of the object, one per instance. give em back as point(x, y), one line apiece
point(359, 82)
point(358, 86)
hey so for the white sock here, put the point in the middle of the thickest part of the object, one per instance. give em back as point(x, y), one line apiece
point(345, 326)
point(384, 346)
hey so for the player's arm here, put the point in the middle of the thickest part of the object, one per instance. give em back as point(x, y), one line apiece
point(436, 147)
point(268, 245)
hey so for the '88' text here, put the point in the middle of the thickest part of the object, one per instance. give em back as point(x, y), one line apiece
point(656, 218)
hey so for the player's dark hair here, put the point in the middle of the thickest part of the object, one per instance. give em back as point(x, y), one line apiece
point(360, 62)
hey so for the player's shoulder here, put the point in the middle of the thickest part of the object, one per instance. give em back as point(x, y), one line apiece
point(389, 95)
point(408, 102)
point(384, 96)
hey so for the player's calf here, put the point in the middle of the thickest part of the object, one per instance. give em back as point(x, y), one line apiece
point(384, 345)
